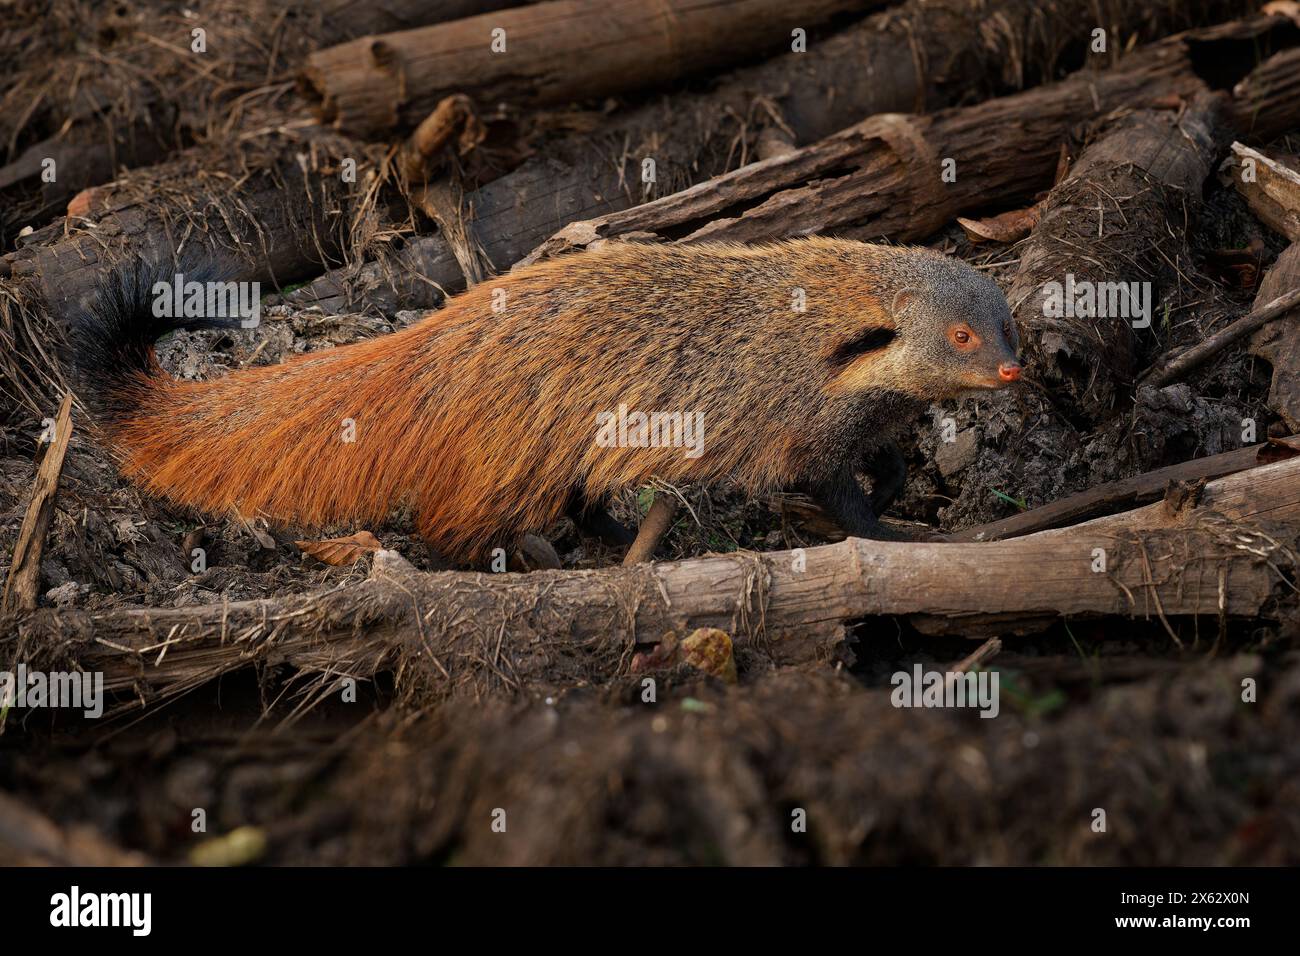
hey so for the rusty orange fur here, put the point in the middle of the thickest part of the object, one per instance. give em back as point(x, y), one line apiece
point(483, 422)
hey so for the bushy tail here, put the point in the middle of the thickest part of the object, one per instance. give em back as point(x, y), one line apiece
point(113, 337)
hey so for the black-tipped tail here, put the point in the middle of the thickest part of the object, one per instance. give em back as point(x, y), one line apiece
point(113, 337)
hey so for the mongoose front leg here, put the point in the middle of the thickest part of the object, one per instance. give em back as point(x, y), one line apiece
point(844, 501)
point(888, 470)
point(594, 521)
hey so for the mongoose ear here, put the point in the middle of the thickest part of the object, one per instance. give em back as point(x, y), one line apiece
point(902, 301)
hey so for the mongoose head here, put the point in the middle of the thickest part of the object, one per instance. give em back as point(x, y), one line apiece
point(941, 330)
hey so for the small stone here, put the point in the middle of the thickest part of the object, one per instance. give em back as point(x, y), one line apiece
point(953, 456)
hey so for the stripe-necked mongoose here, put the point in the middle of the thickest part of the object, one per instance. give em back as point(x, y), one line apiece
point(486, 417)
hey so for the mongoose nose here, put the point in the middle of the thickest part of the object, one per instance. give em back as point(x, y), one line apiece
point(1009, 371)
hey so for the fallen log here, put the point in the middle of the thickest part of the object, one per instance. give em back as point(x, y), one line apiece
point(885, 176)
point(923, 55)
point(1232, 554)
point(1129, 492)
point(1118, 221)
point(354, 18)
point(123, 92)
point(273, 210)
point(1278, 342)
point(1271, 189)
point(545, 53)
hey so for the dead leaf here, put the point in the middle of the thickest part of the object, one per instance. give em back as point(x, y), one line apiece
point(257, 528)
point(339, 552)
point(85, 202)
point(1241, 268)
point(1278, 449)
point(538, 553)
point(1008, 227)
point(709, 650)
point(660, 657)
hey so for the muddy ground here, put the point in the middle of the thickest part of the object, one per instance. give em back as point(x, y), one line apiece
point(1100, 720)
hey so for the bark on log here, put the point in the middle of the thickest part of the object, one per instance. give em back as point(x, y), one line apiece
point(544, 54)
point(923, 55)
point(882, 177)
point(1270, 187)
point(354, 18)
point(1130, 492)
point(1119, 220)
point(281, 217)
point(274, 210)
point(450, 632)
point(1278, 343)
point(139, 92)
point(22, 585)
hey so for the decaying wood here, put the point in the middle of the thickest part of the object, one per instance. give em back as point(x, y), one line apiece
point(358, 17)
point(1270, 187)
point(453, 118)
point(1278, 343)
point(883, 177)
point(22, 587)
point(657, 522)
point(1120, 217)
point(1231, 555)
point(275, 222)
point(546, 53)
point(922, 55)
point(134, 99)
point(1129, 492)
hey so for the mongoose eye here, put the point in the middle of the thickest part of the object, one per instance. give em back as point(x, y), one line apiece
point(963, 338)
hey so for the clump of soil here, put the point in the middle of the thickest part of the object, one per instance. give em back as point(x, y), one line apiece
point(1113, 758)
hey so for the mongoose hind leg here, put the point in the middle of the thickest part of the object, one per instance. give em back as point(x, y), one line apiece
point(594, 521)
point(888, 470)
